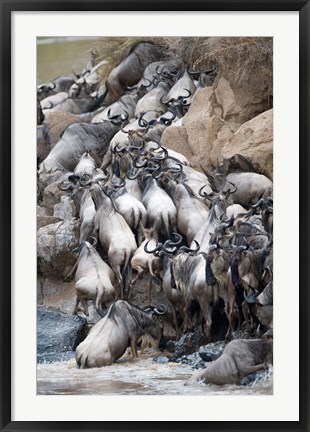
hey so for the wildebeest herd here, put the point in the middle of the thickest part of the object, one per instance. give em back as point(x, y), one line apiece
point(203, 237)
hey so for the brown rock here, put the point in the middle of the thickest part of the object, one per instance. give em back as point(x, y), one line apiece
point(245, 94)
point(51, 196)
point(227, 100)
point(252, 144)
point(175, 138)
point(55, 124)
point(46, 220)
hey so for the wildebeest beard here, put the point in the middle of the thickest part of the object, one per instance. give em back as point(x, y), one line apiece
point(210, 279)
point(235, 276)
point(261, 261)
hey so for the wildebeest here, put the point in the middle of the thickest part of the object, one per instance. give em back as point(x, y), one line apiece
point(59, 84)
point(250, 186)
point(241, 357)
point(261, 309)
point(123, 326)
point(52, 101)
point(152, 100)
point(118, 111)
point(144, 262)
point(205, 78)
point(131, 68)
point(115, 236)
point(77, 139)
point(40, 115)
point(93, 280)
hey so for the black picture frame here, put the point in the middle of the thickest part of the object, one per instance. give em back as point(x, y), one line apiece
point(7, 7)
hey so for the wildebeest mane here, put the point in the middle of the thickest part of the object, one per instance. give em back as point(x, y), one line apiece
point(122, 311)
point(260, 349)
point(217, 202)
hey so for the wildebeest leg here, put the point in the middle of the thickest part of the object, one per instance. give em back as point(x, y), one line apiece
point(134, 280)
point(98, 303)
point(187, 324)
point(85, 306)
point(246, 315)
point(229, 310)
point(76, 306)
point(251, 369)
point(150, 287)
point(230, 306)
point(207, 313)
point(133, 346)
point(174, 320)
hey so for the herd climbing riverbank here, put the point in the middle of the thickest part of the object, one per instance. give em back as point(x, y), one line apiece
point(155, 198)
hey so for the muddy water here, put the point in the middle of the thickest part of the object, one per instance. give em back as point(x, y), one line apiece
point(140, 376)
point(60, 55)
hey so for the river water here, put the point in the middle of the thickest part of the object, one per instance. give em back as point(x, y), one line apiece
point(128, 376)
point(60, 55)
point(141, 376)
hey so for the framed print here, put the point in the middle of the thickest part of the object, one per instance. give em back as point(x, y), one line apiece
point(230, 83)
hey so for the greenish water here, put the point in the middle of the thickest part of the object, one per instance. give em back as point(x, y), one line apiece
point(60, 55)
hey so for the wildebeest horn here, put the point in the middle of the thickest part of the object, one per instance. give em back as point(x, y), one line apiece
point(134, 87)
point(95, 241)
point(118, 186)
point(137, 165)
point(185, 103)
point(204, 195)
point(187, 249)
point(189, 94)
point(163, 309)
point(125, 116)
point(252, 298)
point(228, 223)
point(85, 180)
point(160, 157)
point(194, 73)
point(157, 69)
point(211, 70)
point(53, 85)
point(168, 121)
point(242, 248)
point(70, 186)
point(131, 175)
point(117, 149)
point(111, 117)
point(162, 100)
point(142, 122)
point(148, 85)
point(69, 249)
point(157, 248)
point(75, 74)
point(123, 125)
point(233, 191)
point(258, 204)
point(178, 237)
